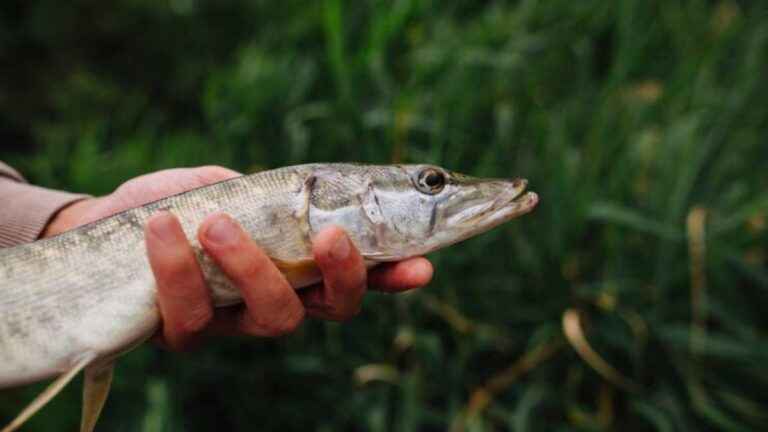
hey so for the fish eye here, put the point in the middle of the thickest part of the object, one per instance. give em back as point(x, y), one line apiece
point(430, 181)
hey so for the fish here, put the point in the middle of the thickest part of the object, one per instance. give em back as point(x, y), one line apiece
point(79, 300)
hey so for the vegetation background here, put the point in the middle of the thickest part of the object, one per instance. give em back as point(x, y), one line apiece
point(634, 298)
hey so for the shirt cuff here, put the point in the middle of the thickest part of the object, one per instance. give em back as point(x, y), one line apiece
point(7, 171)
point(25, 210)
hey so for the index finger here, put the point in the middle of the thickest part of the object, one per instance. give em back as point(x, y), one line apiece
point(182, 295)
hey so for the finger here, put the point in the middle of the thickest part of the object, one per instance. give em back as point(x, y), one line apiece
point(212, 174)
point(183, 298)
point(401, 276)
point(273, 308)
point(228, 321)
point(344, 277)
point(315, 304)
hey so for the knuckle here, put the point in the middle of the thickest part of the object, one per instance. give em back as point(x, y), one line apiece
point(128, 186)
point(255, 266)
point(212, 173)
point(176, 270)
point(247, 270)
point(353, 304)
point(341, 315)
point(176, 265)
point(293, 321)
point(196, 320)
point(286, 325)
point(131, 191)
point(341, 306)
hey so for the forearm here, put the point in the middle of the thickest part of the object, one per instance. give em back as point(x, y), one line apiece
point(25, 210)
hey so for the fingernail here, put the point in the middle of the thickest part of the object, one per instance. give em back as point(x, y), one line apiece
point(222, 231)
point(163, 226)
point(340, 249)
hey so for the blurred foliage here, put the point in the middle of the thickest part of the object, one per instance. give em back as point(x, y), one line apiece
point(632, 299)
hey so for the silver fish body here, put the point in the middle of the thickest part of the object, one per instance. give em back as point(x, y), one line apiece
point(90, 291)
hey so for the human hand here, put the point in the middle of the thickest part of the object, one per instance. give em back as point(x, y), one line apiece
point(271, 306)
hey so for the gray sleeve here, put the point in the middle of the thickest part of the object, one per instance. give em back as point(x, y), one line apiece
point(25, 210)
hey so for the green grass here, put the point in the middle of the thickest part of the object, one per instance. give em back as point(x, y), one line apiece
point(626, 117)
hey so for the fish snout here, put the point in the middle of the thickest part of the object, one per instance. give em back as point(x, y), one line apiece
point(509, 191)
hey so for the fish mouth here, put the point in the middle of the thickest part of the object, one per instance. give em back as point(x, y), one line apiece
point(489, 204)
point(517, 196)
point(511, 200)
point(515, 200)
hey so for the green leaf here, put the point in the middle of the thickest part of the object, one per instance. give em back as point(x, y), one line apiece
point(616, 214)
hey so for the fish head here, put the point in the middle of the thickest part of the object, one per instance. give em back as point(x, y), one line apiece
point(398, 211)
point(432, 207)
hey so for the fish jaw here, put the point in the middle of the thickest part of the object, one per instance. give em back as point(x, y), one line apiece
point(401, 220)
point(495, 202)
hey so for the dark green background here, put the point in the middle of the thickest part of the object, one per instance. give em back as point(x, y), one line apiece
point(625, 115)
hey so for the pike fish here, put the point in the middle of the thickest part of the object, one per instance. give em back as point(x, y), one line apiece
point(77, 301)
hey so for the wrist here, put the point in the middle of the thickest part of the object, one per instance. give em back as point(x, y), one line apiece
point(69, 217)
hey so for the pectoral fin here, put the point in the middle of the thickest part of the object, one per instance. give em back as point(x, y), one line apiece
point(98, 379)
point(300, 273)
point(48, 394)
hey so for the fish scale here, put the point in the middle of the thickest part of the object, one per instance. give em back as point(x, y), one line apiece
point(78, 300)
